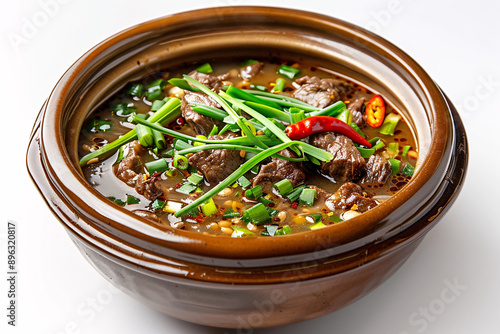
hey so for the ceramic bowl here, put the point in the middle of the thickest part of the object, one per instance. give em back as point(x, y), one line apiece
point(247, 282)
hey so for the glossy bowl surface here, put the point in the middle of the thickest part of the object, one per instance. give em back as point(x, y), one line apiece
point(252, 282)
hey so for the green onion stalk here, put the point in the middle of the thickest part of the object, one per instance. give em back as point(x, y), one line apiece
point(237, 118)
point(166, 114)
point(241, 171)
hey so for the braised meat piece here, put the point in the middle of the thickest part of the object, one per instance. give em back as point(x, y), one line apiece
point(130, 169)
point(348, 195)
point(149, 188)
point(357, 116)
point(347, 163)
point(279, 169)
point(377, 169)
point(201, 123)
point(250, 71)
point(216, 164)
point(321, 92)
point(132, 165)
point(215, 83)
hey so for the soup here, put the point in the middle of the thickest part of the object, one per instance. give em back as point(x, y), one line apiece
point(247, 148)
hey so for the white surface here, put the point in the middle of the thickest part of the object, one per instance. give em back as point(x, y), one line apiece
point(455, 41)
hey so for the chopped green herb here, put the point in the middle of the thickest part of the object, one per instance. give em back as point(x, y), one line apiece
point(408, 170)
point(284, 187)
point(390, 122)
point(157, 166)
point(279, 85)
point(240, 231)
point(253, 193)
point(405, 150)
point(186, 189)
point(270, 230)
point(209, 208)
point(181, 162)
point(288, 71)
point(336, 219)
point(124, 109)
point(307, 197)
point(284, 230)
point(97, 125)
point(132, 200)
point(395, 165)
point(116, 200)
point(135, 90)
point(243, 181)
point(265, 201)
point(317, 226)
point(205, 68)
point(195, 178)
point(157, 205)
point(257, 214)
point(155, 89)
point(294, 195)
point(157, 104)
point(230, 213)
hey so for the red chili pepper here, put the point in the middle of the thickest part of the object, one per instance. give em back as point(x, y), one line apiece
point(317, 124)
point(375, 111)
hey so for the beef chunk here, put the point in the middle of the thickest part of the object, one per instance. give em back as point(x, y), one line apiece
point(278, 170)
point(130, 169)
point(132, 165)
point(321, 92)
point(347, 163)
point(347, 196)
point(149, 188)
point(147, 214)
point(377, 169)
point(250, 71)
point(357, 116)
point(201, 124)
point(215, 83)
point(216, 164)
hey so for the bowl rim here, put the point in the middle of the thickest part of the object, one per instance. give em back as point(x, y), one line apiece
point(66, 177)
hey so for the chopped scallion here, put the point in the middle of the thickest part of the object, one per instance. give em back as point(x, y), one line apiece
point(155, 89)
point(405, 150)
point(186, 188)
point(205, 68)
point(157, 166)
point(307, 197)
point(135, 90)
point(243, 181)
point(390, 122)
point(253, 193)
point(284, 230)
point(209, 208)
point(195, 178)
point(395, 165)
point(257, 214)
point(157, 205)
point(317, 226)
point(408, 170)
point(284, 187)
point(279, 85)
point(181, 162)
point(288, 71)
point(294, 195)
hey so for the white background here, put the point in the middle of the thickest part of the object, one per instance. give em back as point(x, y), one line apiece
point(455, 41)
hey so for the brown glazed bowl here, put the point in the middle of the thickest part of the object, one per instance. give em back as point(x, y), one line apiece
point(247, 282)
